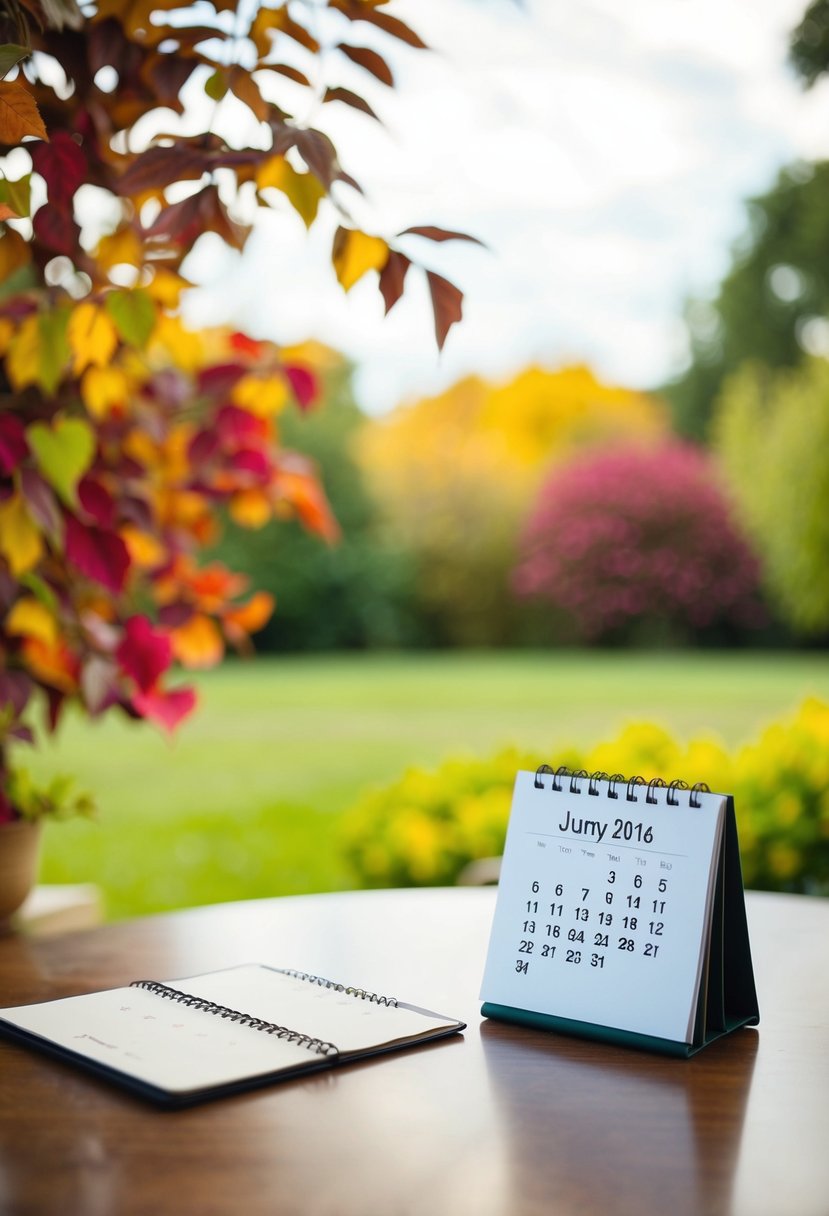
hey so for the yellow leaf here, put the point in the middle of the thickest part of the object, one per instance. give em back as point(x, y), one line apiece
point(146, 552)
point(141, 447)
point(262, 396)
point(104, 390)
point(31, 619)
point(93, 338)
point(250, 509)
point(20, 541)
point(171, 339)
point(355, 253)
point(23, 363)
point(166, 287)
point(303, 190)
point(119, 248)
point(198, 643)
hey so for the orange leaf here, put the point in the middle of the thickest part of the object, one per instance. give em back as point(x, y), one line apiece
point(305, 496)
point(198, 643)
point(247, 618)
point(53, 664)
point(19, 115)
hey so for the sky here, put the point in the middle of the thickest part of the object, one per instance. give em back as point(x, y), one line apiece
point(602, 152)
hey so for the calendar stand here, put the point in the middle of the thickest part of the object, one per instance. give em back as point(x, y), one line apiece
point(621, 914)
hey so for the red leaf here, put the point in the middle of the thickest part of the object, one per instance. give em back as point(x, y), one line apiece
point(446, 304)
point(392, 278)
point(41, 502)
point(144, 654)
point(13, 445)
point(369, 60)
point(236, 426)
point(55, 228)
point(350, 99)
point(158, 167)
point(55, 701)
point(15, 689)
point(166, 709)
point(202, 448)
point(101, 555)
point(319, 154)
point(63, 166)
point(185, 221)
point(169, 74)
point(440, 234)
point(304, 383)
point(249, 461)
point(217, 381)
point(97, 501)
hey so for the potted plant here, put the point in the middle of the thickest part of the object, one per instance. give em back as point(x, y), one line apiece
point(24, 804)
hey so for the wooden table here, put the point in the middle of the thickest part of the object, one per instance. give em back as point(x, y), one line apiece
point(500, 1122)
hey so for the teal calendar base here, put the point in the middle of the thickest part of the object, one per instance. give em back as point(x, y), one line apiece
point(608, 1034)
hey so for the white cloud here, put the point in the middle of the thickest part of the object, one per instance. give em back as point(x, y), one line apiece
point(602, 152)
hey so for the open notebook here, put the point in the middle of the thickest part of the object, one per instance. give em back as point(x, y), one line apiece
point(191, 1039)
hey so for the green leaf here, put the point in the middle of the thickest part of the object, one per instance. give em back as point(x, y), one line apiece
point(10, 56)
point(41, 590)
point(134, 315)
point(17, 195)
point(54, 347)
point(18, 282)
point(64, 452)
point(216, 85)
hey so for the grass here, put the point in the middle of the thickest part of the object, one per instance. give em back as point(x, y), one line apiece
point(246, 800)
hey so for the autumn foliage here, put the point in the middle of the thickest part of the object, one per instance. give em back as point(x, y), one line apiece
point(123, 436)
point(639, 537)
point(454, 476)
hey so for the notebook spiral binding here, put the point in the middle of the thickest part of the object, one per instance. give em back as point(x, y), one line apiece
point(320, 1046)
point(576, 779)
point(360, 993)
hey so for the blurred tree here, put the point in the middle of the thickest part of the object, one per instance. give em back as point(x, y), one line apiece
point(772, 305)
point(771, 433)
point(809, 43)
point(454, 476)
point(357, 593)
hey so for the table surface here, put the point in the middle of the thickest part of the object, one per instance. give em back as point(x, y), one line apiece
point(502, 1121)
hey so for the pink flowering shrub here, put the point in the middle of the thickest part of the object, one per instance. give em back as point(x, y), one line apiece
point(637, 538)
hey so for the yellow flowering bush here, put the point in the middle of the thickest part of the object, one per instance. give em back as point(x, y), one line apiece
point(424, 828)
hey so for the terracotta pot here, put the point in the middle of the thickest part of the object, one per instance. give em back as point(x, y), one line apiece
point(19, 843)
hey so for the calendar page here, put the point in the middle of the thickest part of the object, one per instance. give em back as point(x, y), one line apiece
point(604, 903)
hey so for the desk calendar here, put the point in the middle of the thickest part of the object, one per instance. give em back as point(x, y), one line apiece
point(620, 913)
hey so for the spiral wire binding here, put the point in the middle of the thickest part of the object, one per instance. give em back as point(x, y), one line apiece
point(360, 993)
point(320, 1046)
point(578, 777)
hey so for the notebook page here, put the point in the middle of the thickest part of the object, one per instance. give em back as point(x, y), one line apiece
point(158, 1041)
point(354, 1025)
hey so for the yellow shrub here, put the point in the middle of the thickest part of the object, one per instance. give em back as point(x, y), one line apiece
point(424, 828)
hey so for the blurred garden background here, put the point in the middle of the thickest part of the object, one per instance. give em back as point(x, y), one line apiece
point(592, 530)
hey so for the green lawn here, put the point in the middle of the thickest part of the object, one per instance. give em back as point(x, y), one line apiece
point(245, 801)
